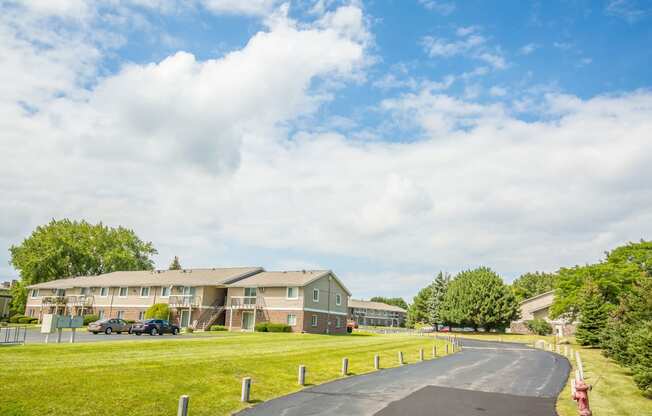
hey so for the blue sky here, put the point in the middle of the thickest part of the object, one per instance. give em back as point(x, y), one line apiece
point(386, 140)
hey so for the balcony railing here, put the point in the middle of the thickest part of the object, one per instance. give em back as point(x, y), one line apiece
point(184, 301)
point(246, 302)
point(70, 300)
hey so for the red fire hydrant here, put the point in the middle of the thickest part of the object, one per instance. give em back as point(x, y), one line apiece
point(581, 395)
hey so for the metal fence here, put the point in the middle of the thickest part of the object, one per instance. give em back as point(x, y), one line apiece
point(13, 335)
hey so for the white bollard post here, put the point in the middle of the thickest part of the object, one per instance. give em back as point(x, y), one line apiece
point(377, 362)
point(421, 354)
point(345, 366)
point(183, 405)
point(400, 357)
point(302, 375)
point(246, 389)
point(580, 367)
point(557, 348)
point(72, 336)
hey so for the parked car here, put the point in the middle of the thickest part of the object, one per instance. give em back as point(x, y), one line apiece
point(154, 327)
point(109, 326)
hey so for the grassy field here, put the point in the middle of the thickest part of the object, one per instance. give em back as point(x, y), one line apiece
point(139, 378)
point(614, 392)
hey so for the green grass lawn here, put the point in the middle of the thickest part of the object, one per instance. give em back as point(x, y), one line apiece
point(147, 378)
point(614, 392)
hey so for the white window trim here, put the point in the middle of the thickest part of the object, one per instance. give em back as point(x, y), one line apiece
point(149, 291)
point(169, 291)
point(313, 295)
point(314, 320)
point(34, 293)
point(338, 322)
point(338, 299)
point(107, 292)
point(120, 290)
point(294, 320)
point(287, 292)
point(120, 315)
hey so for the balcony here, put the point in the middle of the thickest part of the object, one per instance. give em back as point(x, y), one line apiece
point(246, 302)
point(71, 300)
point(184, 301)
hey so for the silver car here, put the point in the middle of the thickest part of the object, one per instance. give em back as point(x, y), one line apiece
point(109, 326)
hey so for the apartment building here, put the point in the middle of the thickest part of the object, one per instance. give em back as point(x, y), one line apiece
point(538, 307)
point(365, 312)
point(198, 298)
point(308, 301)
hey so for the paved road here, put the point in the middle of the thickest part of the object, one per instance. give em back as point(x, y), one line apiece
point(488, 379)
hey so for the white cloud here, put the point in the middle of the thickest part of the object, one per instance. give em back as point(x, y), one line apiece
point(444, 8)
point(528, 49)
point(248, 7)
point(497, 91)
point(628, 10)
point(470, 44)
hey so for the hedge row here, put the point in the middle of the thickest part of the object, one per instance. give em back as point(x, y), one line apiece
point(272, 327)
point(22, 319)
point(217, 328)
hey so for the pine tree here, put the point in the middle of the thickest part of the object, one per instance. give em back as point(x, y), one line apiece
point(175, 265)
point(594, 312)
point(437, 292)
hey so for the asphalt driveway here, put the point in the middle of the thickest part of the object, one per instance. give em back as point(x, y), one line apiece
point(486, 378)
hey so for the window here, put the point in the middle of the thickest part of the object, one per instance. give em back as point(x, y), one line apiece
point(35, 293)
point(100, 314)
point(293, 293)
point(338, 299)
point(124, 291)
point(85, 291)
point(141, 315)
point(292, 320)
point(144, 292)
point(313, 320)
point(31, 313)
point(250, 291)
point(104, 292)
point(121, 314)
point(338, 322)
point(165, 291)
point(60, 292)
point(315, 295)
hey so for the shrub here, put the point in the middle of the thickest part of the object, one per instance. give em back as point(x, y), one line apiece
point(278, 327)
point(90, 318)
point(261, 327)
point(33, 321)
point(158, 311)
point(640, 349)
point(130, 321)
point(217, 328)
point(188, 330)
point(539, 327)
point(24, 320)
point(14, 319)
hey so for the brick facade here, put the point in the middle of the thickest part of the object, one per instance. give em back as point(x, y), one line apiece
point(303, 320)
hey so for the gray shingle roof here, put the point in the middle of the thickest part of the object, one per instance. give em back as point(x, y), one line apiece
point(186, 277)
point(285, 278)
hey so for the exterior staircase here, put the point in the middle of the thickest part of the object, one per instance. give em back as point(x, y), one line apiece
point(208, 317)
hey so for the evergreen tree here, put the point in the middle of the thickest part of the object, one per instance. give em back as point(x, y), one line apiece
point(418, 310)
point(478, 298)
point(593, 316)
point(437, 292)
point(175, 265)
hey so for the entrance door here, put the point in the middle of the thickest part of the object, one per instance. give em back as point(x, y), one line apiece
point(247, 321)
point(185, 318)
